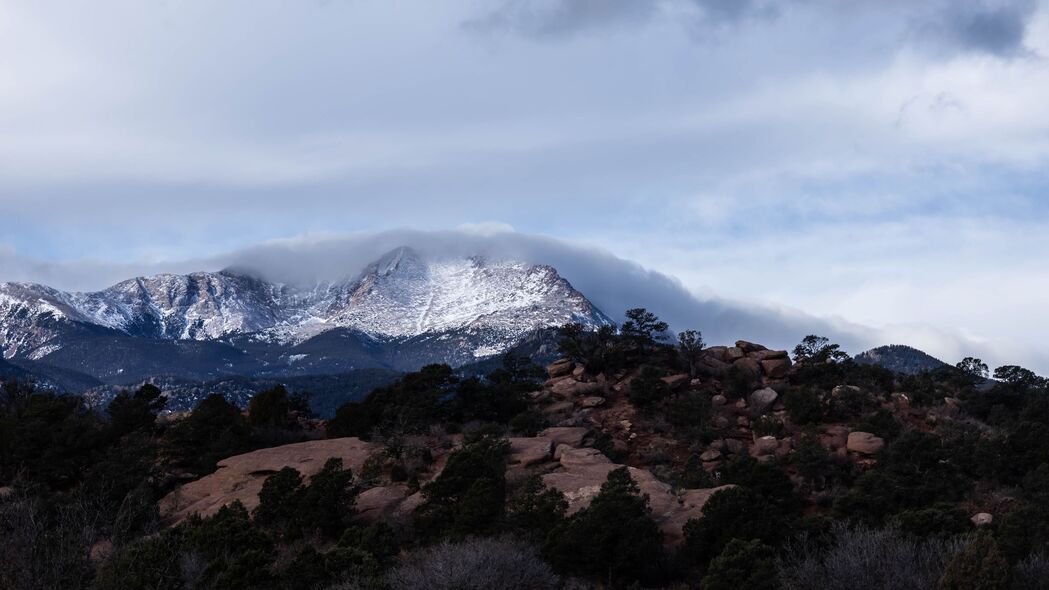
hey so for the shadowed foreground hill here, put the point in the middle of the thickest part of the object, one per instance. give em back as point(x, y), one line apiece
point(629, 462)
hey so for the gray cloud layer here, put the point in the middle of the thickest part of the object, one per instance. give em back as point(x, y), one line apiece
point(995, 27)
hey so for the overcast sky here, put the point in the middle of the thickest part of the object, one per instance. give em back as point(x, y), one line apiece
point(876, 161)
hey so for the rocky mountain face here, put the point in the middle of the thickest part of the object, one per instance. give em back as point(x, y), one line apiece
point(900, 358)
point(402, 311)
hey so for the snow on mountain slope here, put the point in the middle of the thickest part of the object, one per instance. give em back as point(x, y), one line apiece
point(402, 295)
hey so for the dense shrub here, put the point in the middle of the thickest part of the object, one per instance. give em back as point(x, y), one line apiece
point(734, 513)
point(535, 510)
point(865, 559)
point(270, 409)
point(803, 405)
point(613, 539)
point(469, 496)
point(743, 565)
point(914, 471)
point(215, 429)
point(476, 564)
point(648, 388)
point(979, 566)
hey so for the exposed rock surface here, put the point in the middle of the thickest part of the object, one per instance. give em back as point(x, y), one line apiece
point(982, 519)
point(240, 477)
point(865, 443)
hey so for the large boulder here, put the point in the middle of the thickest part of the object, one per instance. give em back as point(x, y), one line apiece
point(864, 443)
point(711, 366)
point(734, 353)
point(715, 352)
point(384, 502)
point(560, 368)
point(749, 347)
point(776, 368)
point(764, 446)
point(569, 387)
point(750, 367)
point(676, 381)
point(239, 478)
point(762, 400)
point(767, 355)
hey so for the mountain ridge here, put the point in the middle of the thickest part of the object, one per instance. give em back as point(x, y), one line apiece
point(401, 310)
point(900, 358)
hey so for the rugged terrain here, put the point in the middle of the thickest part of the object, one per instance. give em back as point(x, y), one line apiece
point(401, 312)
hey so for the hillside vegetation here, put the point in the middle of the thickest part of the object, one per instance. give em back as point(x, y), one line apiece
point(633, 461)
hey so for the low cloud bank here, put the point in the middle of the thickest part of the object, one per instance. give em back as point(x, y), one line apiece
point(612, 283)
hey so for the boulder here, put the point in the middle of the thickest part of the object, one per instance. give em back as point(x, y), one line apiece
point(571, 388)
point(560, 368)
point(240, 477)
point(734, 445)
point(776, 368)
point(982, 519)
point(751, 370)
point(834, 437)
point(718, 400)
point(711, 367)
point(778, 385)
point(749, 347)
point(539, 396)
point(762, 399)
point(715, 352)
point(592, 401)
point(382, 502)
point(579, 373)
point(767, 355)
point(864, 443)
point(766, 445)
point(558, 408)
point(565, 435)
point(676, 381)
point(845, 390)
point(710, 455)
point(733, 354)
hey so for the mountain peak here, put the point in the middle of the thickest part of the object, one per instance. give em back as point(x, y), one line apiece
point(486, 306)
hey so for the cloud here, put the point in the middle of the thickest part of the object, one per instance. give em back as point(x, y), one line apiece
point(995, 27)
point(561, 18)
point(612, 283)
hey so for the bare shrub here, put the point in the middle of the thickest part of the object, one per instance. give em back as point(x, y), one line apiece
point(1031, 573)
point(866, 559)
point(474, 564)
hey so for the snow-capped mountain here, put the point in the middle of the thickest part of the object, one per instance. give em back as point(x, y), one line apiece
point(443, 310)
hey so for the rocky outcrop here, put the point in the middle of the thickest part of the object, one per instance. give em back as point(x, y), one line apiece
point(583, 471)
point(239, 478)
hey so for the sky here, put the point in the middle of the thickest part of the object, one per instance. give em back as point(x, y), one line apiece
point(879, 165)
